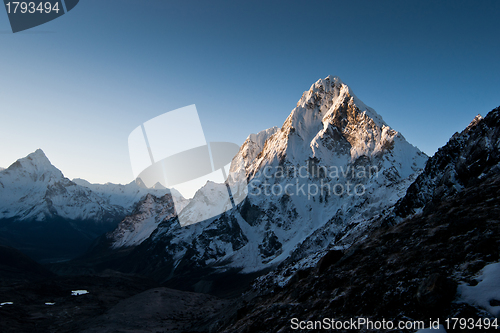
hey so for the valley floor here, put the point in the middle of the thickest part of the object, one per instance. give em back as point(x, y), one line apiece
point(114, 303)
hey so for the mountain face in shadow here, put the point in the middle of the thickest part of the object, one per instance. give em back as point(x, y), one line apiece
point(15, 266)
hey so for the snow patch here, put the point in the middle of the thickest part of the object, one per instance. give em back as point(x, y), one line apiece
point(78, 292)
point(486, 291)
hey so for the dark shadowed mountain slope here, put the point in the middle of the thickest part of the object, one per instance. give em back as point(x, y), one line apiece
point(17, 267)
point(467, 158)
point(408, 271)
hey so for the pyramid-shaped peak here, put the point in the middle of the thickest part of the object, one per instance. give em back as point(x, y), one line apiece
point(331, 92)
point(38, 156)
point(37, 159)
point(36, 163)
point(330, 86)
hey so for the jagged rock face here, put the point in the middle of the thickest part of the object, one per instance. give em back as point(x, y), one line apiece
point(139, 225)
point(330, 139)
point(252, 146)
point(468, 157)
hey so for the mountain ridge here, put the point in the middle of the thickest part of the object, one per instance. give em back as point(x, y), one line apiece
point(465, 159)
point(50, 217)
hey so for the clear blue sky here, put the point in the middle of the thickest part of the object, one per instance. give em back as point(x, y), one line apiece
point(77, 86)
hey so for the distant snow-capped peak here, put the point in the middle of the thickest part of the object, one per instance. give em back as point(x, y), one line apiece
point(126, 196)
point(33, 189)
point(37, 166)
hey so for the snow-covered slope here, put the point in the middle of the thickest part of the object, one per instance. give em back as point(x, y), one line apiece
point(332, 166)
point(126, 196)
point(139, 225)
point(252, 146)
point(444, 232)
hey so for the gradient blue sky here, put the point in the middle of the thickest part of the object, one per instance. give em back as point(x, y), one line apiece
point(77, 86)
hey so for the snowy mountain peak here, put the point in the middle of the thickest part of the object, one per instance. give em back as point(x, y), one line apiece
point(330, 80)
point(37, 166)
point(33, 189)
point(332, 90)
point(330, 123)
point(38, 157)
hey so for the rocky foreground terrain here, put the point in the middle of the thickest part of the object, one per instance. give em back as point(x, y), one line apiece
point(407, 271)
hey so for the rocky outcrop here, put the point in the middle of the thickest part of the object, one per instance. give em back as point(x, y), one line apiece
point(467, 158)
